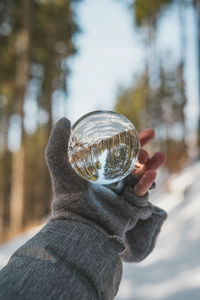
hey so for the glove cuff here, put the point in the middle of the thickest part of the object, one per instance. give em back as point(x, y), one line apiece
point(141, 239)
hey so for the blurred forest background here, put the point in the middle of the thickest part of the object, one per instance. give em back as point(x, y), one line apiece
point(37, 40)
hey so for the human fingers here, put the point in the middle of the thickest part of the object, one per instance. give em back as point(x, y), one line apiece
point(143, 156)
point(155, 162)
point(146, 136)
point(144, 183)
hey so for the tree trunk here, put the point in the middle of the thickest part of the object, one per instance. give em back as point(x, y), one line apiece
point(49, 85)
point(181, 67)
point(197, 8)
point(22, 52)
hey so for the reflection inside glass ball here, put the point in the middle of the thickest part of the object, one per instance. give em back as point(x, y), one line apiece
point(103, 147)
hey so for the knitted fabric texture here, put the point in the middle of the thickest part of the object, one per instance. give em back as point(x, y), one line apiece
point(113, 210)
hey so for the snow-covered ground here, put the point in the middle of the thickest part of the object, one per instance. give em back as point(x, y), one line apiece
point(172, 271)
point(7, 249)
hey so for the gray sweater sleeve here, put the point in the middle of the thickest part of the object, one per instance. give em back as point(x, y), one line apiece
point(69, 259)
point(65, 260)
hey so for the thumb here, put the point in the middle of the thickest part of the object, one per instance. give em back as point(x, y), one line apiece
point(63, 176)
point(57, 147)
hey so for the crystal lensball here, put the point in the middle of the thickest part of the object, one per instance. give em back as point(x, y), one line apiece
point(103, 147)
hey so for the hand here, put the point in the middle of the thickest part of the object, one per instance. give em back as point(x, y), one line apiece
point(113, 210)
point(98, 206)
point(147, 166)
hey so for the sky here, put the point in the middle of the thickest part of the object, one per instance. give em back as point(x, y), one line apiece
point(111, 52)
point(108, 54)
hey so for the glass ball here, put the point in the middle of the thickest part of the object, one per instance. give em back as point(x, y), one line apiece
point(103, 147)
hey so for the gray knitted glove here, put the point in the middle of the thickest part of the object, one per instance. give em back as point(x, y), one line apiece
point(141, 238)
point(113, 210)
